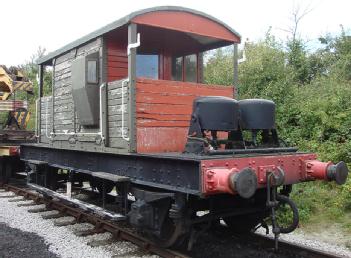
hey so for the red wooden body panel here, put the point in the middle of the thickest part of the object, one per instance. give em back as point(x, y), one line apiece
point(117, 59)
point(293, 165)
point(186, 22)
point(163, 111)
point(161, 139)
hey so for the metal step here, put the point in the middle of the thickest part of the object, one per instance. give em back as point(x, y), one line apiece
point(111, 177)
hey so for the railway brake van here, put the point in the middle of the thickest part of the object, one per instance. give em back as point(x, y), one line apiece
point(129, 113)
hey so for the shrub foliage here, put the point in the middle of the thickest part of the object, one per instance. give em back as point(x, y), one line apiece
point(313, 96)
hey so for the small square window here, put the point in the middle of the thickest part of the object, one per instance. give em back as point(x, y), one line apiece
point(147, 66)
point(92, 73)
point(177, 68)
point(190, 68)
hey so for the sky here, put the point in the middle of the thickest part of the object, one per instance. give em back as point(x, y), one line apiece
point(27, 25)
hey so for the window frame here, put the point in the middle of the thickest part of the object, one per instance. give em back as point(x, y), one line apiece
point(158, 70)
point(96, 81)
point(196, 68)
point(184, 68)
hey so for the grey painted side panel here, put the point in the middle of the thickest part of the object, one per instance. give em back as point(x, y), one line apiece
point(63, 110)
point(45, 119)
point(132, 38)
point(114, 115)
point(85, 94)
point(235, 75)
point(64, 118)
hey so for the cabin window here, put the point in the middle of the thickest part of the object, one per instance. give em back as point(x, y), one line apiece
point(177, 68)
point(147, 66)
point(92, 72)
point(184, 68)
point(190, 68)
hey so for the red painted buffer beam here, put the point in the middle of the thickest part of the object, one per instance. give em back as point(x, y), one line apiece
point(244, 176)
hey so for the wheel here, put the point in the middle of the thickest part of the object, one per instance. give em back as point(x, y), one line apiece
point(246, 222)
point(5, 171)
point(8, 170)
point(51, 178)
point(2, 172)
point(170, 234)
point(243, 224)
point(160, 217)
point(98, 184)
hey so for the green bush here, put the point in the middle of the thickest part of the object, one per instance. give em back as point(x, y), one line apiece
point(313, 96)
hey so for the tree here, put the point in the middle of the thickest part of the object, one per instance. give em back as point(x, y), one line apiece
point(219, 67)
point(264, 73)
point(30, 68)
point(297, 54)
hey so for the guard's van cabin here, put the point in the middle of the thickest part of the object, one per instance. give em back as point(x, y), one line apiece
point(129, 86)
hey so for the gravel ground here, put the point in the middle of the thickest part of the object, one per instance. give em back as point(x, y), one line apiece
point(299, 237)
point(60, 240)
point(16, 243)
point(50, 241)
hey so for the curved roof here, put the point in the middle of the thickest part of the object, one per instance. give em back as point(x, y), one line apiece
point(123, 21)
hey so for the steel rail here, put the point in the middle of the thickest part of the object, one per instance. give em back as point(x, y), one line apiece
point(285, 249)
point(120, 233)
point(294, 248)
point(101, 225)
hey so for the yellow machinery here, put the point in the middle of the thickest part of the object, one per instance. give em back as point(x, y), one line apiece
point(14, 129)
point(12, 80)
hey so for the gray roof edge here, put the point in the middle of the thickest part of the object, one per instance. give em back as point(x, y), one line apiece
point(125, 20)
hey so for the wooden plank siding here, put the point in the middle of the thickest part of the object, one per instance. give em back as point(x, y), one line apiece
point(117, 58)
point(64, 116)
point(163, 107)
point(114, 115)
point(45, 119)
point(163, 111)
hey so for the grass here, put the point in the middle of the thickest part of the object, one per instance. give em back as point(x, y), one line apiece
point(323, 203)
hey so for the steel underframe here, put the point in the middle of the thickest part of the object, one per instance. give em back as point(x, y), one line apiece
point(174, 174)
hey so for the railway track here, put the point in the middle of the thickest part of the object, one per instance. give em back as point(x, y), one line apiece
point(101, 225)
point(286, 249)
point(293, 248)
